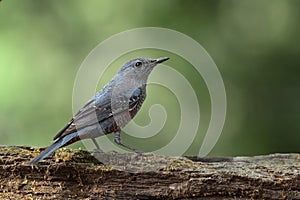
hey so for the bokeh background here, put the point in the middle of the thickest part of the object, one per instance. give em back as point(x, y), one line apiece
point(254, 43)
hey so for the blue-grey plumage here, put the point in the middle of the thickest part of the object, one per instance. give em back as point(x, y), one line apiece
point(110, 109)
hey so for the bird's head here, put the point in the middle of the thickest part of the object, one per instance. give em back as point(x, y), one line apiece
point(139, 69)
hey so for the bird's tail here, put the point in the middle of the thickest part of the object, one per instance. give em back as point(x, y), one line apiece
point(53, 147)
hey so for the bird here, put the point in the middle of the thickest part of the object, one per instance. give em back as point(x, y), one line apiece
point(109, 110)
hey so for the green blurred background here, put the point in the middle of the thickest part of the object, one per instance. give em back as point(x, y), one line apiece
point(254, 43)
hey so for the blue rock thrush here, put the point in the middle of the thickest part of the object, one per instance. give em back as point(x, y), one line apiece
point(110, 109)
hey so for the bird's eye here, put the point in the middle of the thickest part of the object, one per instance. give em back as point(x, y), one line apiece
point(138, 64)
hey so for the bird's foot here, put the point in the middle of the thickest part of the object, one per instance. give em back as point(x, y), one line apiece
point(142, 154)
point(96, 152)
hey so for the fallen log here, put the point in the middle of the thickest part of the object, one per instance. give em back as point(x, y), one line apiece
point(76, 174)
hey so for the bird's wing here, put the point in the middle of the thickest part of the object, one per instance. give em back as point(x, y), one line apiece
point(92, 112)
point(99, 109)
point(137, 98)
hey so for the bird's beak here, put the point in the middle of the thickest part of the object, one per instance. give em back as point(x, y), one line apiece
point(160, 60)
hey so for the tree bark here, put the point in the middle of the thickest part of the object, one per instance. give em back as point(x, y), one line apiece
point(76, 174)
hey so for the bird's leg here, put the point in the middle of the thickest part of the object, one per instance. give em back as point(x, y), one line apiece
point(98, 149)
point(117, 139)
point(96, 144)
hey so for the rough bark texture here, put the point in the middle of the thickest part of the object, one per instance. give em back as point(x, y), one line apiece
point(75, 174)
